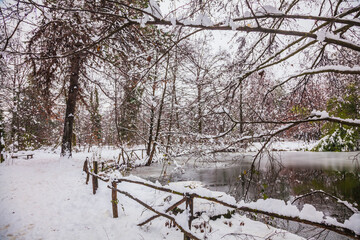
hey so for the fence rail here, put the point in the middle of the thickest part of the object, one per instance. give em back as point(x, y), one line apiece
point(188, 198)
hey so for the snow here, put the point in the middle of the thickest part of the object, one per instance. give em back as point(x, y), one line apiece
point(353, 223)
point(273, 205)
point(309, 212)
point(173, 21)
point(143, 20)
point(203, 20)
point(47, 198)
point(154, 9)
point(233, 25)
point(269, 9)
point(325, 115)
point(335, 67)
point(321, 36)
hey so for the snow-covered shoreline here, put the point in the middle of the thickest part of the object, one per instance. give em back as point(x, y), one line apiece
point(47, 198)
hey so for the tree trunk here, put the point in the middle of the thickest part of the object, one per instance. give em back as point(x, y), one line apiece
point(70, 106)
point(116, 109)
point(200, 125)
point(241, 127)
point(158, 125)
point(152, 116)
point(171, 115)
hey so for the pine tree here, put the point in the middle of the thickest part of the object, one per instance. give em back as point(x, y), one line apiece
point(339, 137)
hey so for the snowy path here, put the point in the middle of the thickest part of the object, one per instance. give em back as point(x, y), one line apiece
point(46, 201)
point(47, 198)
point(51, 201)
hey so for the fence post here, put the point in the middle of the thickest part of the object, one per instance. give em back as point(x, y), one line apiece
point(114, 200)
point(122, 154)
point(94, 179)
point(96, 171)
point(190, 207)
point(86, 169)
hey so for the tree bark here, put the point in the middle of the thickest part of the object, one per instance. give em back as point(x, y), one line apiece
point(66, 148)
point(158, 125)
point(152, 114)
point(241, 125)
point(151, 128)
point(199, 92)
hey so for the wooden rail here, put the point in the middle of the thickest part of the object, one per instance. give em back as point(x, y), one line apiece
point(127, 156)
point(28, 156)
point(188, 198)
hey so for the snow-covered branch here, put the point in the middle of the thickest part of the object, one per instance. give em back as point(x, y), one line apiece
point(328, 39)
point(325, 69)
point(298, 16)
point(204, 22)
point(315, 116)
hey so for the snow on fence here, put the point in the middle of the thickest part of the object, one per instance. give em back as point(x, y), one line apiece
point(184, 224)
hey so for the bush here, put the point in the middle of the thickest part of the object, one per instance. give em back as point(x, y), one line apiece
point(341, 140)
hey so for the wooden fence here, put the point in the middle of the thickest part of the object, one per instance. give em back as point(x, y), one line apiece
point(188, 198)
point(125, 157)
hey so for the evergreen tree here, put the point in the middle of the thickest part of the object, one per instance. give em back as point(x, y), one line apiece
point(129, 111)
point(34, 127)
point(340, 137)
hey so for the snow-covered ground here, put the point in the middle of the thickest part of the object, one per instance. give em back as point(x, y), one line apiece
point(46, 198)
point(284, 146)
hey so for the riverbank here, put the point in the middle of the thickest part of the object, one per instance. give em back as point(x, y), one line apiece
point(46, 198)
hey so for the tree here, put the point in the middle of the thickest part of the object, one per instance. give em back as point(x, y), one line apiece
point(61, 32)
point(129, 111)
point(2, 137)
point(80, 43)
point(339, 137)
point(62, 48)
point(95, 118)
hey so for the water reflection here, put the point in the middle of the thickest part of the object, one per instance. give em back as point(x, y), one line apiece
point(284, 176)
point(278, 175)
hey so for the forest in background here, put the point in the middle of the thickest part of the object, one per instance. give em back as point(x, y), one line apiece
point(78, 74)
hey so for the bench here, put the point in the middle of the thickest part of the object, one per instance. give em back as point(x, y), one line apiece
point(28, 156)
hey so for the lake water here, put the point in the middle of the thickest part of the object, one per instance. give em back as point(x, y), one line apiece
point(281, 175)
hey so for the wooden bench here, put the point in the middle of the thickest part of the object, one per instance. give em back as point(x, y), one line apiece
point(28, 156)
